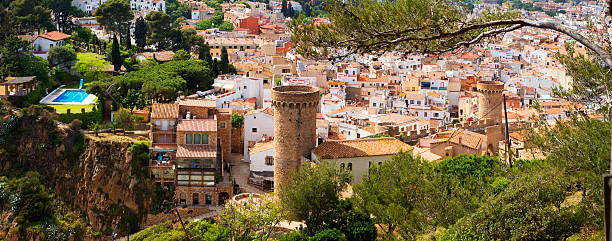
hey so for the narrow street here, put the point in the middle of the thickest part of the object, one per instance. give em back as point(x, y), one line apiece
point(240, 173)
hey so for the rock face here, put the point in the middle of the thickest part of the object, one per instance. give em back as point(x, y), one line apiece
point(94, 176)
point(107, 187)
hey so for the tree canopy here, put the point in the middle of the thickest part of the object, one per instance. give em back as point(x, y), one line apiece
point(114, 13)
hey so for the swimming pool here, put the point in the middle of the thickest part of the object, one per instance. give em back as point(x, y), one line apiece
point(72, 96)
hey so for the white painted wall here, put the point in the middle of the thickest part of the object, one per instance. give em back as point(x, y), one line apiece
point(258, 161)
point(264, 124)
point(360, 165)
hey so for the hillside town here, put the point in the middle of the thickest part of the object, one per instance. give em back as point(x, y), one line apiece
point(228, 109)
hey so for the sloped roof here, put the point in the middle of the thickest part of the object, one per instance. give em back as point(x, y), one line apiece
point(198, 102)
point(360, 148)
point(165, 111)
point(197, 125)
point(54, 36)
point(196, 151)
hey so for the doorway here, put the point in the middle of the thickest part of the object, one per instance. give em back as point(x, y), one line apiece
point(196, 199)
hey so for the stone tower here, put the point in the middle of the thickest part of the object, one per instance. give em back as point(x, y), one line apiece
point(295, 109)
point(490, 102)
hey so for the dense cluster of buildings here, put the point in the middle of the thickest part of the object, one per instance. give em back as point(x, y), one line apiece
point(356, 113)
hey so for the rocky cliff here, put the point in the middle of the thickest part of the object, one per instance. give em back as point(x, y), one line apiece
point(96, 177)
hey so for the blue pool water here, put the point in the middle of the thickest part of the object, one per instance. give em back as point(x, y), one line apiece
point(72, 96)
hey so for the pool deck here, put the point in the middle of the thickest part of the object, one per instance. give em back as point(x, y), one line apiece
point(50, 98)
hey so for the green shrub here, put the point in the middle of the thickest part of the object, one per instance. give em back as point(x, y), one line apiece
point(86, 118)
point(328, 235)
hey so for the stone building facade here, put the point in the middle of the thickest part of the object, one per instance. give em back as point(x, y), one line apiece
point(295, 109)
point(490, 103)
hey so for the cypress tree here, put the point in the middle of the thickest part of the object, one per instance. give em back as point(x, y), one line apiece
point(284, 8)
point(224, 65)
point(204, 53)
point(140, 32)
point(215, 68)
point(116, 55)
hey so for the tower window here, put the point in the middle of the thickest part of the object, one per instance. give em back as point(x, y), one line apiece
point(269, 160)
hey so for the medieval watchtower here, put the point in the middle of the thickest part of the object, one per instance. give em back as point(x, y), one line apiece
point(490, 100)
point(295, 109)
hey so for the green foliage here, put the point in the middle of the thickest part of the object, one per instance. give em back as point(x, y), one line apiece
point(125, 118)
point(590, 81)
point(328, 235)
point(86, 118)
point(313, 194)
point(378, 136)
point(224, 63)
point(34, 202)
point(252, 219)
point(237, 120)
point(360, 230)
point(116, 55)
point(465, 166)
point(531, 208)
point(204, 24)
point(226, 26)
point(176, 10)
point(140, 32)
point(30, 15)
point(158, 82)
point(365, 27)
point(61, 54)
point(159, 27)
point(140, 157)
point(293, 236)
point(112, 14)
point(181, 54)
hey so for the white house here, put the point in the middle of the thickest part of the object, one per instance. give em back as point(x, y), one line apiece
point(43, 42)
point(262, 162)
point(238, 87)
point(90, 6)
point(359, 155)
point(257, 125)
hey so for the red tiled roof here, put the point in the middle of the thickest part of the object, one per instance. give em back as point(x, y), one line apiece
point(197, 125)
point(198, 102)
point(54, 36)
point(165, 111)
point(361, 147)
point(196, 151)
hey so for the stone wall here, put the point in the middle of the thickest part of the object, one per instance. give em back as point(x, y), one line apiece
point(295, 110)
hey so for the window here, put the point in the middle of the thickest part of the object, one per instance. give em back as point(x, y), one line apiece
point(254, 130)
point(342, 165)
point(222, 125)
point(205, 139)
point(425, 114)
point(436, 114)
point(197, 139)
point(269, 160)
point(350, 166)
point(188, 138)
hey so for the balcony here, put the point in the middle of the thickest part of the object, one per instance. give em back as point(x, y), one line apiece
point(158, 129)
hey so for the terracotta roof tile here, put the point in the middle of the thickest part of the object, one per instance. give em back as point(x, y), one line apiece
point(196, 151)
point(360, 147)
point(165, 111)
point(198, 102)
point(262, 146)
point(462, 137)
point(54, 36)
point(197, 125)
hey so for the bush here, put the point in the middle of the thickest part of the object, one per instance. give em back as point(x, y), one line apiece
point(328, 235)
point(76, 124)
point(360, 230)
point(86, 118)
point(294, 236)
